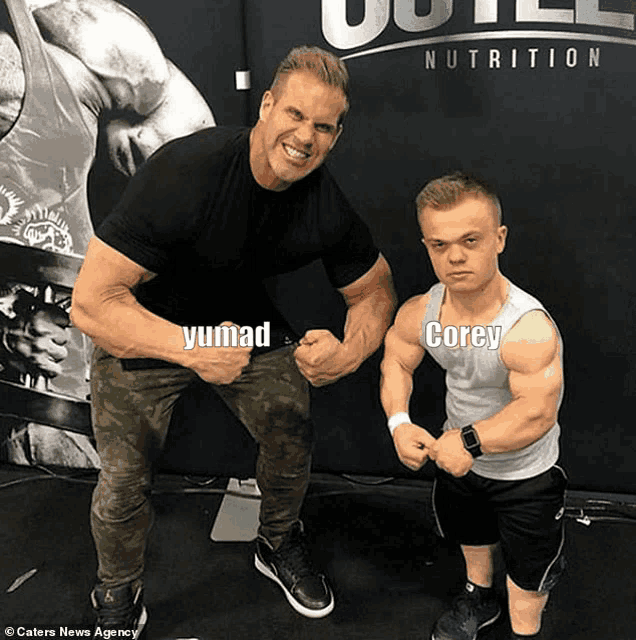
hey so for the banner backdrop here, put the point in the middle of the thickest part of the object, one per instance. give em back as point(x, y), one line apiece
point(537, 97)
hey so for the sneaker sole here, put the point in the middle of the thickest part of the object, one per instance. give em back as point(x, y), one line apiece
point(141, 623)
point(309, 613)
point(481, 626)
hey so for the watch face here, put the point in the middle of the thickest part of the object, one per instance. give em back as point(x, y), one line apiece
point(470, 439)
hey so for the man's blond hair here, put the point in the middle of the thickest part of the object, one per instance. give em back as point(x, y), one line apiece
point(323, 64)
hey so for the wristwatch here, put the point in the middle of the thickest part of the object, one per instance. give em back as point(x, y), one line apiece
point(471, 441)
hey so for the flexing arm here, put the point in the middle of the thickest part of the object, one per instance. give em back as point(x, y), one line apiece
point(371, 303)
point(106, 310)
point(114, 44)
point(402, 355)
point(531, 353)
point(322, 358)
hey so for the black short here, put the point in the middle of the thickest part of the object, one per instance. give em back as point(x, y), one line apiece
point(524, 516)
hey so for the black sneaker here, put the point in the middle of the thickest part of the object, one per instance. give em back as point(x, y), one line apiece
point(472, 610)
point(119, 608)
point(289, 566)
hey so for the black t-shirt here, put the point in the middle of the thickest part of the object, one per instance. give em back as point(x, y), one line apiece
point(195, 216)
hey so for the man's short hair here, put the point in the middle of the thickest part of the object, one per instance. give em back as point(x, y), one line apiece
point(325, 65)
point(451, 189)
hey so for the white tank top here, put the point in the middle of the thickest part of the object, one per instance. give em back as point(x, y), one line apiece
point(477, 388)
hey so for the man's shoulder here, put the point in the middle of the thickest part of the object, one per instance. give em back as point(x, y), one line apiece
point(417, 303)
point(534, 327)
point(525, 310)
point(408, 320)
point(324, 177)
point(533, 330)
point(205, 147)
point(412, 311)
point(518, 297)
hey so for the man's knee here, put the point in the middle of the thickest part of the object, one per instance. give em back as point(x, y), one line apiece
point(119, 497)
point(548, 581)
point(288, 441)
point(290, 416)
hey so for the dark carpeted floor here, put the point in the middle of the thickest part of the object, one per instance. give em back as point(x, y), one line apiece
point(391, 574)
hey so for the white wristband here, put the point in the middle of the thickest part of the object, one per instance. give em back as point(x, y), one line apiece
point(397, 419)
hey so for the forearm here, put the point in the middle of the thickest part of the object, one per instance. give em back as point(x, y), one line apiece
point(516, 426)
point(125, 329)
point(396, 386)
point(366, 325)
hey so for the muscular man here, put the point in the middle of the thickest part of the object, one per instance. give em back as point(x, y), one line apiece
point(65, 67)
point(199, 227)
point(497, 481)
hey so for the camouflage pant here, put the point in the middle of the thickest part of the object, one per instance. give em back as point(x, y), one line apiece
point(131, 412)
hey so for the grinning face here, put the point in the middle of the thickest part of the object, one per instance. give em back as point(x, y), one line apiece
point(464, 243)
point(297, 128)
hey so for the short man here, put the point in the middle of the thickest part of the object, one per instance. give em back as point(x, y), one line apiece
point(199, 227)
point(496, 479)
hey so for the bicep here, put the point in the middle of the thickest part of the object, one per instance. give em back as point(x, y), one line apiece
point(377, 278)
point(532, 356)
point(105, 274)
point(402, 344)
point(407, 355)
point(349, 251)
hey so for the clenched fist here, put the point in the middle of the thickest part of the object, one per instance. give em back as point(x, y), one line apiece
point(449, 454)
point(412, 445)
point(219, 365)
point(321, 357)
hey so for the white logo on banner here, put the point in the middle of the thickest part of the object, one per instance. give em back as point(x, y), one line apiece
point(378, 14)
point(9, 205)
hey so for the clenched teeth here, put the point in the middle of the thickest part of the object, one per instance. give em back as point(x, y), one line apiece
point(294, 153)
